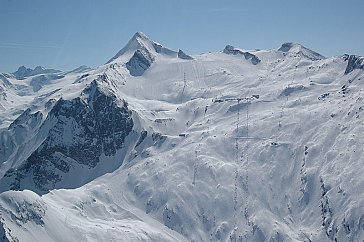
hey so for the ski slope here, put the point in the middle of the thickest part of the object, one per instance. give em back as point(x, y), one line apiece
point(222, 148)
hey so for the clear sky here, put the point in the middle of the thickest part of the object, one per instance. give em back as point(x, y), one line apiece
point(65, 34)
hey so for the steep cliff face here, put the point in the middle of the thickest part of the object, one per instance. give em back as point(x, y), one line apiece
point(17, 140)
point(78, 131)
point(214, 149)
point(140, 62)
point(3, 235)
point(140, 53)
point(354, 62)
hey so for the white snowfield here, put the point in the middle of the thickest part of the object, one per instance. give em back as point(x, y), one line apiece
point(270, 151)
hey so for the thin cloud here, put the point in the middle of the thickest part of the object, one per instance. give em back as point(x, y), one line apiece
point(221, 10)
point(26, 46)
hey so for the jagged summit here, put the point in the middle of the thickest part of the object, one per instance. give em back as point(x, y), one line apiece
point(296, 48)
point(140, 52)
point(193, 150)
point(140, 41)
point(23, 71)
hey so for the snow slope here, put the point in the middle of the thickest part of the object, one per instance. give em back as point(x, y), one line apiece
point(221, 148)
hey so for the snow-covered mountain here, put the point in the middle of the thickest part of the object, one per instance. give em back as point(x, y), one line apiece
point(158, 145)
point(24, 72)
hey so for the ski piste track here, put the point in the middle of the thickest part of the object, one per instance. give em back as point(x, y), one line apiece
point(222, 149)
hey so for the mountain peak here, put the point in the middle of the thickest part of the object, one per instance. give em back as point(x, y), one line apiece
point(288, 46)
point(231, 50)
point(297, 48)
point(138, 41)
point(139, 35)
point(24, 72)
point(141, 42)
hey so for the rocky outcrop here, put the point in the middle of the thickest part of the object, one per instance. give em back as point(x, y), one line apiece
point(183, 55)
point(3, 237)
point(78, 132)
point(300, 50)
point(140, 62)
point(354, 62)
point(5, 80)
point(160, 49)
point(231, 50)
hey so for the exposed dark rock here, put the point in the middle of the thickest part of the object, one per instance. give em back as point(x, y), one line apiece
point(231, 50)
point(163, 50)
point(354, 62)
point(79, 131)
point(184, 56)
point(344, 89)
point(324, 96)
point(286, 47)
point(5, 80)
point(139, 62)
point(143, 135)
point(301, 50)
point(292, 89)
point(17, 131)
point(158, 138)
point(26, 118)
point(3, 237)
point(171, 219)
point(7, 146)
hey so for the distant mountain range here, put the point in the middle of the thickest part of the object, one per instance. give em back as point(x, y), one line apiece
point(160, 145)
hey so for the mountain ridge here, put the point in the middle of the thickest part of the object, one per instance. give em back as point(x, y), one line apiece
point(24, 72)
point(140, 41)
point(210, 148)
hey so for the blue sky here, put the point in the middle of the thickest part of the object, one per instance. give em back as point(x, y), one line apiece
point(65, 34)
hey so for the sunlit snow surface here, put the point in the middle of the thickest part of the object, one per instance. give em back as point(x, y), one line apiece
point(265, 152)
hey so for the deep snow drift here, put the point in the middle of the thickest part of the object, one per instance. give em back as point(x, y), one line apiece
point(158, 145)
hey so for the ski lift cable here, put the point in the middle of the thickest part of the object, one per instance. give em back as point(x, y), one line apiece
point(246, 212)
point(184, 86)
point(286, 100)
point(195, 168)
point(236, 169)
point(239, 162)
